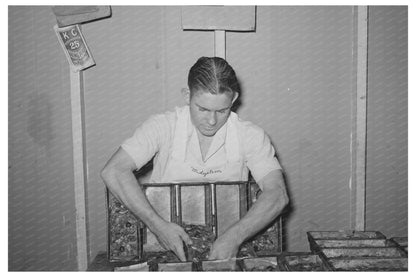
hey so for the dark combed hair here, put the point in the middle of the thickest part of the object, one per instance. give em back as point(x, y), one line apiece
point(214, 75)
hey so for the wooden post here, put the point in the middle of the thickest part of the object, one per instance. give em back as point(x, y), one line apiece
point(219, 42)
point(360, 144)
point(79, 160)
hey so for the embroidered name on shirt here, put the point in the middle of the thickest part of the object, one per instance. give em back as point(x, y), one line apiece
point(205, 173)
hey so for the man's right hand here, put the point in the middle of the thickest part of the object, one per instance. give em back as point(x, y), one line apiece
point(119, 178)
point(171, 236)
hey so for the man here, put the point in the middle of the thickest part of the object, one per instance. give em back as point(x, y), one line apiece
point(200, 142)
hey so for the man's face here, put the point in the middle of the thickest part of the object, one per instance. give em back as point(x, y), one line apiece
point(209, 112)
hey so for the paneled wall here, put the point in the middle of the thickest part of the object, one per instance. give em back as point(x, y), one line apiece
point(297, 76)
point(387, 184)
point(296, 72)
point(41, 185)
point(142, 58)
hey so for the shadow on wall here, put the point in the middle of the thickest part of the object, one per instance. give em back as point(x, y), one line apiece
point(39, 120)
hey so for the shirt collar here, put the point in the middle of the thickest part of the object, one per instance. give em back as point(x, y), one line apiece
point(221, 133)
point(218, 140)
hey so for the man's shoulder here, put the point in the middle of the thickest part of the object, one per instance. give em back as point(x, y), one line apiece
point(245, 126)
point(168, 118)
point(159, 126)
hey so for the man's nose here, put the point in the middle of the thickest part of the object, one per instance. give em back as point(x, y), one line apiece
point(212, 120)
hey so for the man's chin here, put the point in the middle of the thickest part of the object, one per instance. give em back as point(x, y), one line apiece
point(208, 133)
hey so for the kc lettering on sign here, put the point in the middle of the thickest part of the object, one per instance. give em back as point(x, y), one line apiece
point(75, 47)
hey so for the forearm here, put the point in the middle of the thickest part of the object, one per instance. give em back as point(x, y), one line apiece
point(264, 211)
point(123, 185)
point(267, 207)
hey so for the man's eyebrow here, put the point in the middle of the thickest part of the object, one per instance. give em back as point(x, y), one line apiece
point(201, 107)
point(210, 110)
point(224, 109)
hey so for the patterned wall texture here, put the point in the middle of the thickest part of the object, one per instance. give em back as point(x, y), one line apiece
point(296, 76)
point(41, 186)
point(142, 58)
point(387, 184)
point(296, 72)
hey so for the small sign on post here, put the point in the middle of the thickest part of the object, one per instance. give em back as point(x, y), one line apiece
point(219, 19)
point(75, 47)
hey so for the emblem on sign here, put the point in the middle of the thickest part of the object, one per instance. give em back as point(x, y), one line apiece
point(75, 47)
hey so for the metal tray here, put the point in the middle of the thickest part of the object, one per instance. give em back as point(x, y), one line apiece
point(260, 264)
point(129, 239)
point(220, 265)
point(401, 241)
point(155, 258)
point(134, 267)
point(369, 264)
point(181, 266)
point(319, 240)
point(302, 262)
point(391, 252)
point(123, 232)
point(346, 235)
point(352, 243)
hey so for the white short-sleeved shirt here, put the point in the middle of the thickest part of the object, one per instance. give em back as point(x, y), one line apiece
point(154, 138)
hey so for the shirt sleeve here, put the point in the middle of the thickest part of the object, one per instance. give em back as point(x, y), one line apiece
point(147, 140)
point(259, 153)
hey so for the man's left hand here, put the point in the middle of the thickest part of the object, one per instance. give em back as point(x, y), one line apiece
point(225, 247)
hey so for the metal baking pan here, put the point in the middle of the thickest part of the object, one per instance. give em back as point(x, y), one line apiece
point(302, 262)
point(352, 243)
point(129, 239)
point(391, 252)
point(260, 264)
point(181, 266)
point(346, 239)
point(401, 241)
point(369, 264)
point(346, 235)
point(123, 232)
point(155, 258)
point(220, 265)
point(135, 267)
